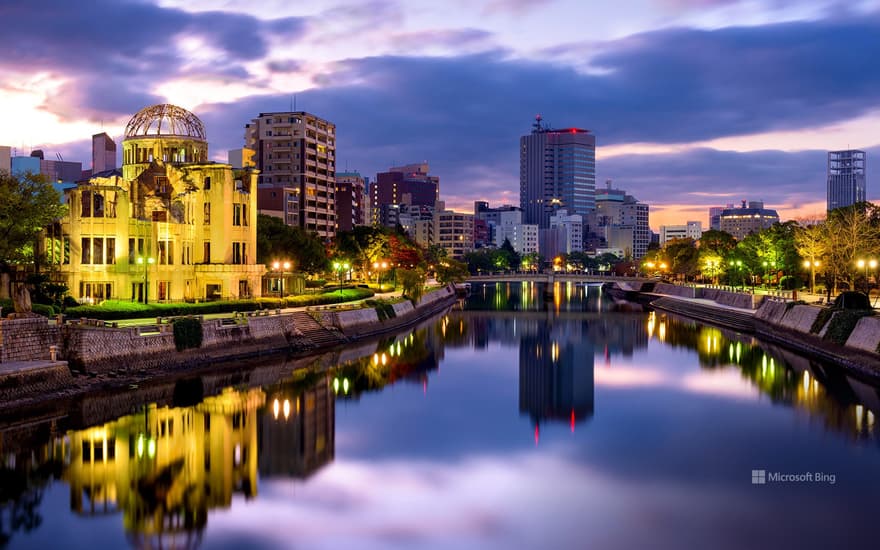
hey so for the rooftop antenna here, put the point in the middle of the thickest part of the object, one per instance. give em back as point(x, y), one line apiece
point(536, 127)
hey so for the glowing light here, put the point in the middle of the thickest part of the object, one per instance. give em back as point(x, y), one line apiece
point(572, 421)
point(537, 435)
point(151, 448)
point(806, 381)
point(286, 409)
point(276, 406)
point(384, 359)
point(140, 446)
point(345, 385)
point(336, 385)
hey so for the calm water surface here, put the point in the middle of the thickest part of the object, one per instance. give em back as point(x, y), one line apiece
point(514, 421)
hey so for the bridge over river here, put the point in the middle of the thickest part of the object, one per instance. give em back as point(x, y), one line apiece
point(558, 278)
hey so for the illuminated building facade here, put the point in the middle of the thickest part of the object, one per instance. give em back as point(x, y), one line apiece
point(297, 151)
point(351, 201)
point(751, 218)
point(408, 184)
point(168, 226)
point(454, 231)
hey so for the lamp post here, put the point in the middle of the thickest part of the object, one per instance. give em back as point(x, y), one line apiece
point(812, 264)
point(383, 265)
point(283, 266)
point(146, 262)
point(872, 263)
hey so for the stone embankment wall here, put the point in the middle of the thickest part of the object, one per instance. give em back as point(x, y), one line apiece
point(799, 319)
point(99, 349)
point(355, 323)
point(723, 297)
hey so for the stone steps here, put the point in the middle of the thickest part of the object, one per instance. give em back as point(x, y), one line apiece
point(314, 331)
point(737, 320)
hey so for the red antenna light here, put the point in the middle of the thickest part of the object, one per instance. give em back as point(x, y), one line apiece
point(572, 421)
point(537, 435)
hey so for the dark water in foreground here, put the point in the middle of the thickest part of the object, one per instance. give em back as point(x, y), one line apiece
point(512, 424)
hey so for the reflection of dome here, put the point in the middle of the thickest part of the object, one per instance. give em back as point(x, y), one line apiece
point(165, 120)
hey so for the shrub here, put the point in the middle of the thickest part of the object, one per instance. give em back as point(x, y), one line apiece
point(187, 333)
point(69, 301)
point(821, 319)
point(43, 309)
point(413, 283)
point(852, 299)
point(790, 282)
point(843, 324)
point(316, 283)
point(384, 309)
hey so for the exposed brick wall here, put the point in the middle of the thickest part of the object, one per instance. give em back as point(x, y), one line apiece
point(27, 339)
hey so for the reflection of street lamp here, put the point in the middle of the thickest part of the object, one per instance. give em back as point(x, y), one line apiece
point(283, 266)
point(148, 261)
point(812, 265)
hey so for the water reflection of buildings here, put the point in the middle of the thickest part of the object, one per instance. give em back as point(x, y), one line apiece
point(297, 429)
point(164, 468)
point(556, 372)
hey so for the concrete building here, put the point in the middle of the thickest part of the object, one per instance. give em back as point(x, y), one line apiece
point(351, 200)
point(297, 150)
point(751, 218)
point(623, 221)
point(454, 231)
point(715, 216)
point(571, 232)
point(495, 217)
point(241, 158)
point(846, 178)
point(410, 184)
point(103, 153)
point(691, 230)
point(522, 236)
point(5, 159)
point(557, 170)
point(168, 226)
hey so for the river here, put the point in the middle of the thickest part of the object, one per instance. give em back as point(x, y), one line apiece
point(516, 420)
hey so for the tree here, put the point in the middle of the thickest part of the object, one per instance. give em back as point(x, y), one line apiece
point(363, 245)
point(277, 240)
point(718, 242)
point(412, 282)
point(850, 233)
point(683, 257)
point(508, 257)
point(28, 203)
point(479, 261)
point(451, 271)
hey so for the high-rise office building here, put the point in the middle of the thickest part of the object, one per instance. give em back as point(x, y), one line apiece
point(408, 184)
point(846, 178)
point(557, 169)
point(690, 230)
point(350, 200)
point(297, 150)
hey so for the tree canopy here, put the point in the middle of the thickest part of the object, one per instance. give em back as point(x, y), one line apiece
point(279, 241)
point(28, 203)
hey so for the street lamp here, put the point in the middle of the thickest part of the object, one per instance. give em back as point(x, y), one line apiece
point(339, 267)
point(872, 263)
point(812, 264)
point(283, 266)
point(146, 262)
point(737, 265)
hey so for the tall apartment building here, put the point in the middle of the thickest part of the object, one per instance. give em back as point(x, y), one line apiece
point(297, 151)
point(409, 184)
point(846, 178)
point(749, 218)
point(571, 231)
point(623, 221)
point(350, 200)
point(557, 169)
point(454, 231)
point(690, 230)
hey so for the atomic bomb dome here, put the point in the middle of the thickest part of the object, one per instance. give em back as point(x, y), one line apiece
point(165, 120)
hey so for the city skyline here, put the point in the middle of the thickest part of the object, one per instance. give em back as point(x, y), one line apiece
point(693, 104)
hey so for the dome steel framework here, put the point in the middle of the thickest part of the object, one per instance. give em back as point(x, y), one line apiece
point(165, 120)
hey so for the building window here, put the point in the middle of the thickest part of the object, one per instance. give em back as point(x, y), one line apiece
point(239, 253)
point(236, 214)
point(111, 250)
point(86, 251)
point(207, 213)
point(206, 252)
point(164, 290)
point(207, 183)
point(166, 252)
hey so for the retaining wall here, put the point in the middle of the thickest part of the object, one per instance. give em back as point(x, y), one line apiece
point(866, 335)
point(27, 339)
point(675, 290)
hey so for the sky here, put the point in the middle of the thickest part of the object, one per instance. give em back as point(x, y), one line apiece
point(694, 103)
